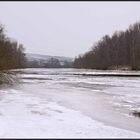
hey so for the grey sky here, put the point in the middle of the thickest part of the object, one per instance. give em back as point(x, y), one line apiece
point(65, 28)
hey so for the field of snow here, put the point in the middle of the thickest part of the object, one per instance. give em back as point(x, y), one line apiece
point(55, 103)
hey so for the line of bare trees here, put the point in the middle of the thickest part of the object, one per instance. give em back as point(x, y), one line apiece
point(11, 53)
point(122, 49)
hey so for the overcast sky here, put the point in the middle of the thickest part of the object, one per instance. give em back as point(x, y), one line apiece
point(65, 28)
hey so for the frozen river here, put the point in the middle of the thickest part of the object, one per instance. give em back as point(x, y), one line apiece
point(72, 103)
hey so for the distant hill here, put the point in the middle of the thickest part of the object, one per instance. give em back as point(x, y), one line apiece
point(32, 56)
point(39, 60)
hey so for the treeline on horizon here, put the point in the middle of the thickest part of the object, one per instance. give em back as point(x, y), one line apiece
point(122, 49)
point(12, 54)
point(50, 63)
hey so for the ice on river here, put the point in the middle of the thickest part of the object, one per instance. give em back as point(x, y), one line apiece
point(35, 112)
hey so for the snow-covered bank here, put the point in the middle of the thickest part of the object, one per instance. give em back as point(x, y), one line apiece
point(29, 116)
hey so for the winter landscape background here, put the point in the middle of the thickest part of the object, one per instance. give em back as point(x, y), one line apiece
point(69, 70)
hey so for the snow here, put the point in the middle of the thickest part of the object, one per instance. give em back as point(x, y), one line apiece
point(55, 103)
point(27, 116)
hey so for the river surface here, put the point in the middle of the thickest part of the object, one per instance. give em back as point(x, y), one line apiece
point(106, 96)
